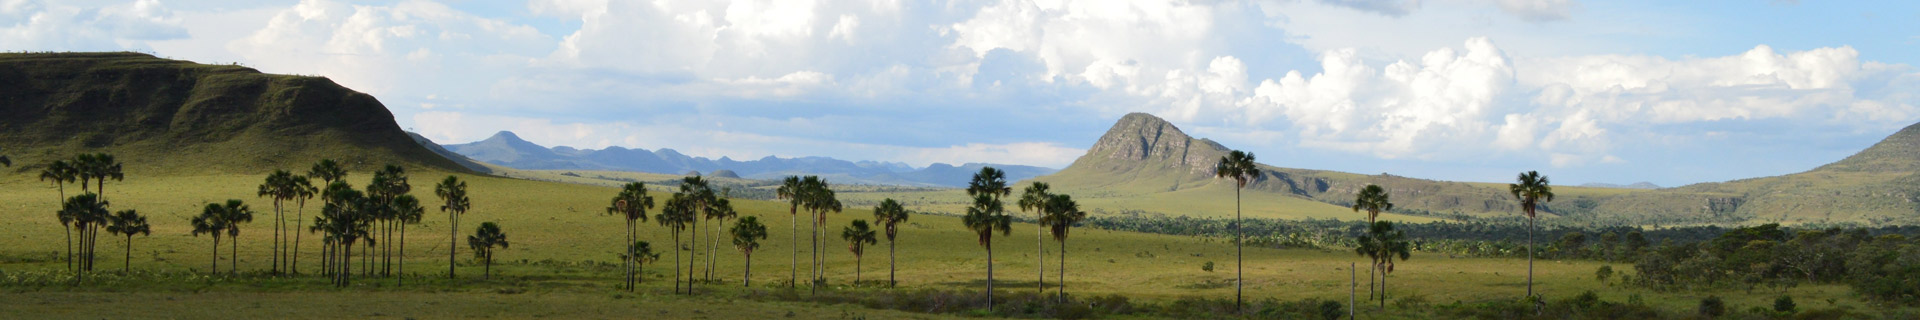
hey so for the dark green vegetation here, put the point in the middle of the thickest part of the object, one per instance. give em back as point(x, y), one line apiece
point(1884, 268)
point(179, 117)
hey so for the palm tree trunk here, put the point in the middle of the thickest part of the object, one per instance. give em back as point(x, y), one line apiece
point(813, 277)
point(989, 275)
point(1239, 254)
point(793, 224)
point(627, 264)
point(891, 282)
point(1383, 287)
point(676, 261)
point(235, 268)
point(297, 225)
point(128, 264)
point(216, 255)
point(453, 240)
point(1040, 256)
point(747, 281)
point(1530, 255)
point(1063, 271)
point(401, 279)
point(277, 219)
point(856, 269)
point(69, 230)
point(693, 247)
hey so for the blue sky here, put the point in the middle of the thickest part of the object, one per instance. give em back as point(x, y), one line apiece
point(1671, 92)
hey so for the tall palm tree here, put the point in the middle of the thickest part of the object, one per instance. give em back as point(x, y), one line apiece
point(211, 221)
point(406, 210)
point(1034, 199)
point(62, 172)
point(699, 198)
point(790, 190)
point(1061, 214)
point(483, 240)
point(389, 184)
point(889, 215)
point(1237, 165)
point(1532, 190)
point(453, 196)
point(129, 223)
point(235, 213)
point(820, 201)
point(100, 167)
point(88, 212)
point(329, 171)
point(304, 190)
point(631, 204)
point(280, 187)
point(746, 237)
point(988, 214)
point(720, 211)
point(858, 236)
point(1382, 243)
point(1373, 199)
point(675, 215)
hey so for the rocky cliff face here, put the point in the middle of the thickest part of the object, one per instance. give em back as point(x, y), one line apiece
point(1144, 139)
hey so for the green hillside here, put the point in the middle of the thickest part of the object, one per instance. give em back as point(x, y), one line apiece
point(171, 116)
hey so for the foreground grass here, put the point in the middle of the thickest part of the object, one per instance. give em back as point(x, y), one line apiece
point(564, 249)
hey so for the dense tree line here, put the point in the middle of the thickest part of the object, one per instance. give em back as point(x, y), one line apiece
point(1883, 267)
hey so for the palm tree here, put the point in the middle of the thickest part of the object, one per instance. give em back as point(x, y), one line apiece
point(1238, 166)
point(211, 221)
point(720, 211)
point(746, 237)
point(675, 215)
point(453, 195)
point(345, 219)
point(820, 201)
point(100, 167)
point(406, 210)
point(988, 214)
point(280, 187)
point(1532, 190)
point(889, 215)
point(483, 240)
point(88, 212)
point(631, 205)
point(858, 236)
point(699, 198)
point(1373, 199)
point(790, 190)
point(642, 252)
point(129, 223)
point(1381, 243)
point(61, 173)
point(328, 171)
point(235, 213)
point(1061, 214)
point(1034, 199)
point(389, 184)
point(304, 190)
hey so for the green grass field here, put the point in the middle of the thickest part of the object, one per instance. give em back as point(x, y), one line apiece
point(558, 232)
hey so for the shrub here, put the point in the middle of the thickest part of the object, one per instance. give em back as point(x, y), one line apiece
point(1208, 267)
point(1603, 273)
point(1713, 307)
point(1332, 310)
point(1785, 305)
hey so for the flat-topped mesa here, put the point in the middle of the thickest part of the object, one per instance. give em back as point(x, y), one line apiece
point(1144, 138)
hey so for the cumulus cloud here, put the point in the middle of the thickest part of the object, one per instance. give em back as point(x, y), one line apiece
point(30, 24)
point(1392, 8)
point(1404, 109)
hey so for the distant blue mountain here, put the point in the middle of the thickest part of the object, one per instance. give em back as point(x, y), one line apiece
point(508, 149)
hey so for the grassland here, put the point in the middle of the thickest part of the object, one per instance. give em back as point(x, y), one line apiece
point(562, 246)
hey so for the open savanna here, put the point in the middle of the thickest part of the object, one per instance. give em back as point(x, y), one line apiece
point(562, 261)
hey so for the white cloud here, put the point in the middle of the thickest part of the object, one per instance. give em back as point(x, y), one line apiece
point(1393, 8)
point(1402, 110)
point(29, 24)
point(410, 48)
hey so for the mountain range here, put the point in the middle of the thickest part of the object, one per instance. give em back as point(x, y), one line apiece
point(1145, 156)
point(508, 149)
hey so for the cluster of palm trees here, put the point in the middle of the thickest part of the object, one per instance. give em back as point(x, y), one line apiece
point(1056, 212)
point(349, 217)
point(87, 213)
point(1380, 244)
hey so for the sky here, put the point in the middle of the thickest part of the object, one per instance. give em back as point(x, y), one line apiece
point(1669, 92)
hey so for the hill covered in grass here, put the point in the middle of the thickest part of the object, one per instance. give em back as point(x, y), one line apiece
point(1148, 160)
point(162, 116)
